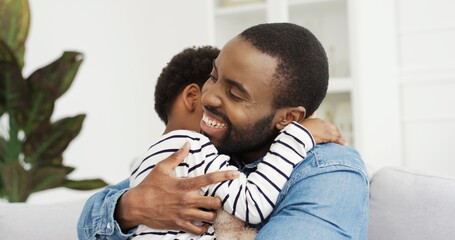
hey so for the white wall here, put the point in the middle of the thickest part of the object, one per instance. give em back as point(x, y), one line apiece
point(426, 40)
point(376, 94)
point(126, 44)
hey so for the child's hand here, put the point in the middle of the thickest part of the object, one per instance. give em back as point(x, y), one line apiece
point(323, 131)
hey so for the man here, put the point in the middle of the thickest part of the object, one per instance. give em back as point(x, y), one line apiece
point(251, 197)
point(263, 79)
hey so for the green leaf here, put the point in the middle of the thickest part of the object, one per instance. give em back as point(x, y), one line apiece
point(13, 145)
point(14, 26)
point(40, 105)
point(88, 184)
point(6, 57)
point(58, 76)
point(46, 85)
point(2, 190)
point(13, 91)
point(3, 144)
point(13, 94)
point(2, 107)
point(16, 181)
point(6, 54)
point(48, 177)
point(56, 161)
point(67, 169)
point(48, 143)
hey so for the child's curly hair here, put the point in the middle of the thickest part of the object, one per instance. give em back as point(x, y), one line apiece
point(192, 65)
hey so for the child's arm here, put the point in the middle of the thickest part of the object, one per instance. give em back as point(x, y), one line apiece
point(253, 197)
point(323, 131)
point(203, 158)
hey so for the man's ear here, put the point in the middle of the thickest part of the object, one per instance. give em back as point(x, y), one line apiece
point(291, 114)
point(191, 96)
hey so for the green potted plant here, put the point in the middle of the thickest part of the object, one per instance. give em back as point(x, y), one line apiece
point(31, 145)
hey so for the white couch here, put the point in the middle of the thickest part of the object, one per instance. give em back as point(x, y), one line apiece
point(403, 205)
point(22, 221)
point(409, 205)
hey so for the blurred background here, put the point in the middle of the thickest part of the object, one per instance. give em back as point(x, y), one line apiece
point(392, 68)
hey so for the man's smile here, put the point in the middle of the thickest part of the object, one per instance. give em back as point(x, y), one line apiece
point(213, 127)
point(211, 122)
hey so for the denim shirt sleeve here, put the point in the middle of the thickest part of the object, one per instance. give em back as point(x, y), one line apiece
point(97, 217)
point(325, 198)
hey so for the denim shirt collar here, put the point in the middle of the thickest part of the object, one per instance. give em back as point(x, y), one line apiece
point(245, 168)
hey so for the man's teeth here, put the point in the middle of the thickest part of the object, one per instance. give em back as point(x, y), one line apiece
point(212, 123)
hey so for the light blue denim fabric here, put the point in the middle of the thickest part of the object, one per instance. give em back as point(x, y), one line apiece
point(326, 197)
point(97, 217)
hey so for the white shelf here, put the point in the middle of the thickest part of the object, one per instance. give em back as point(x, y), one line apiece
point(240, 9)
point(303, 2)
point(232, 19)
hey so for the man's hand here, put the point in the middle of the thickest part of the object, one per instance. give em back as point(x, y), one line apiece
point(323, 131)
point(163, 201)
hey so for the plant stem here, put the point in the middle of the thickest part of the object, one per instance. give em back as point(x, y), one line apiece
point(13, 145)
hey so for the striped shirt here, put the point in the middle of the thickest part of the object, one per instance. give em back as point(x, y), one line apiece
point(250, 198)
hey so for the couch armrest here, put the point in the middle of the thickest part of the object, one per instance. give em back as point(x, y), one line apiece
point(409, 205)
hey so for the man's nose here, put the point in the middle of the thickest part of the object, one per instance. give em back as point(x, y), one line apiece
point(212, 97)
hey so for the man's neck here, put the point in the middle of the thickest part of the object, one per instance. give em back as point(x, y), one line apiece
point(250, 157)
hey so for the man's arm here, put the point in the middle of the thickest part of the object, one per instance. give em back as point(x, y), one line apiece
point(97, 217)
point(322, 200)
point(161, 201)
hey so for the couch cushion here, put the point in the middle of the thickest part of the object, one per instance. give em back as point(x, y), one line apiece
point(408, 205)
point(40, 221)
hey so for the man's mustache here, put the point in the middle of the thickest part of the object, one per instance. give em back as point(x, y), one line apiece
point(218, 114)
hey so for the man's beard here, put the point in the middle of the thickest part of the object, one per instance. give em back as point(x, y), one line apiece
point(254, 137)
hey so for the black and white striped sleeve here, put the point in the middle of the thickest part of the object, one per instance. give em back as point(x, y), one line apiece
point(253, 197)
point(193, 165)
point(201, 148)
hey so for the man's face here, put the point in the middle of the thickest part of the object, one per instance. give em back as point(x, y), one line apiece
point(237, 100)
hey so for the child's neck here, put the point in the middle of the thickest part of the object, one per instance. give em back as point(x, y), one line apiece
point(177, 124)
point(170, 128)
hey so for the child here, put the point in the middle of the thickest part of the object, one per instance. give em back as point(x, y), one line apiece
point(177, 101)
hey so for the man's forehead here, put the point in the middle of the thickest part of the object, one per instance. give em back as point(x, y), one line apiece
point(241, 56)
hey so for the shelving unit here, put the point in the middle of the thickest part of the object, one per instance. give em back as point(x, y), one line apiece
point(327, 19)
point(397, 77)
point(231, 20)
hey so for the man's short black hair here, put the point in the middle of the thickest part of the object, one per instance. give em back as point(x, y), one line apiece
point(301, 77)
point(192, 65)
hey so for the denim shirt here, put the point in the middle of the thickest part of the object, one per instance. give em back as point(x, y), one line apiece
point(97, 217)
point(326, 197)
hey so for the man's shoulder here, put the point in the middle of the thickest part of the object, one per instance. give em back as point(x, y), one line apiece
point(335, 156)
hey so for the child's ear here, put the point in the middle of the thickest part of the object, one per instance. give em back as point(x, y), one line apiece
point(191, 96)
point(291, 114)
